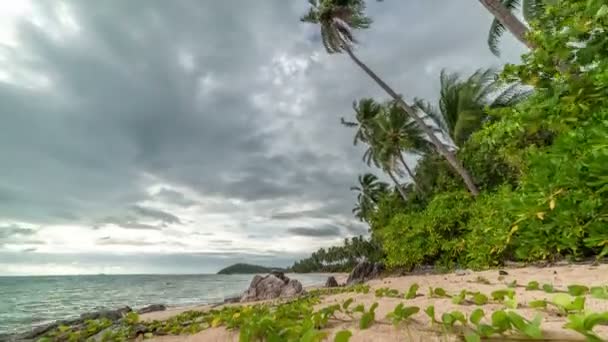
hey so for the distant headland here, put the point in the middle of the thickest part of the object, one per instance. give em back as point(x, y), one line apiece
point(248, 269)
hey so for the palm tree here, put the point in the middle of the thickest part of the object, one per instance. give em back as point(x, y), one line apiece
point(397, 133)
point(506, 20)
point(337, 19)
point(531, 9)
point(367, 112)
point(463, 104)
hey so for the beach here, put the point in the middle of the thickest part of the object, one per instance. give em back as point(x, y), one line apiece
point(419, 328)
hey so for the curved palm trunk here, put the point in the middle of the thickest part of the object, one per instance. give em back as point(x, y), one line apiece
point(410, 173)
point(397, 185)
point(449, 156)
point(508, 20)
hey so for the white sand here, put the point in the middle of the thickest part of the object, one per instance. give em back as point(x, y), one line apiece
point(419, 330)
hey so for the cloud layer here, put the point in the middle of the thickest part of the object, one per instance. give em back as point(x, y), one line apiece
point(190, 130)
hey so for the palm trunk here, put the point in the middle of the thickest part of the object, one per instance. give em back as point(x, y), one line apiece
point(449, 156)
point(508, 20)
point(409, 172)
point(397, 185)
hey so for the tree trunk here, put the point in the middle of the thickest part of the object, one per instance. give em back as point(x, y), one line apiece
point(397, 185)
point(449, 156)
point(410, 173)
point(508, 20)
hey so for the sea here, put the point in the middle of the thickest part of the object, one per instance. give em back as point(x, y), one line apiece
point(27, 302)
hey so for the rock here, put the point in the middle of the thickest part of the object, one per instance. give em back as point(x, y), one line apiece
point(291, 289)
point(152, 308)
point(503, 272)
point(112, 315)
point(280, 275)
point(331, 282)
point(364, 270)
point(271, 286)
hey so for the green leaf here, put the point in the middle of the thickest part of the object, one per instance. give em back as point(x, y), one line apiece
point(511, 303)
point(599, 292)
point(313, 335)
point(439, 292)
point(548, 288)
point(447, 319)
point(366, 320)
point(476, 316)
point(500, 295)
point(460, 298)
point(347, 303)
point(411, 293)
point(343, 336)
point(593, 319)
point(577, 290)
point(480, 299)
point(532, 286)
point(359, 308)
point(530, 329)
point(602, 12)
point(500, 321)
point(430, 311)
point(541, 304)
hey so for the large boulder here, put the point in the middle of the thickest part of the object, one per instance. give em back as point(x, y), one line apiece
point(331, 282)
point(364, 271)
point(272, 286)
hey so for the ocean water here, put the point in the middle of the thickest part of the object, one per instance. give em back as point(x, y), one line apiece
point(26, 302)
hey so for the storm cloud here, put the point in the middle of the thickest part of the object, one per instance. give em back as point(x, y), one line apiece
point(160, 123)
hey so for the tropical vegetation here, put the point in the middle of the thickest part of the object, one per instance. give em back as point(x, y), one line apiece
point(532, 137)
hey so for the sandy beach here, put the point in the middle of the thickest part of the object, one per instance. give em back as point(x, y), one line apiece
point(552, 323)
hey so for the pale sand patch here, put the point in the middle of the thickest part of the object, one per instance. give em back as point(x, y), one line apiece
point(552, 324)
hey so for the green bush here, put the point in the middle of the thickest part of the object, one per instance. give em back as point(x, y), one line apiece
point(431, 235)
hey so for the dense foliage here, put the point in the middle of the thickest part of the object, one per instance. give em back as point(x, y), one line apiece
point(541, 162)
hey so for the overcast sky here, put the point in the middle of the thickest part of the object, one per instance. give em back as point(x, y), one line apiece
point(154, 136)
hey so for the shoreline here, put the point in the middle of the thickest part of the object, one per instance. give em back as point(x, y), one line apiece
point(170, 309)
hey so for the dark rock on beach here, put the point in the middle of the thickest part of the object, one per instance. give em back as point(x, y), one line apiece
point(364, 271)
point(152, 308)
point(331, 282)
point(274, 285)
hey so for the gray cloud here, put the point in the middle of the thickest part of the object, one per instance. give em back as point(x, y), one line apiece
point(11, 231)
point(297, 214)
point(174, 197)
point(156, 214)
point(315, 232)
point(127, 222)
point(242, 106)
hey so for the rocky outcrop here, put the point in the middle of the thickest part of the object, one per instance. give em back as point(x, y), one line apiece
point(364, 271)
point(274, 285)
point(331, 282)
point(36, 333)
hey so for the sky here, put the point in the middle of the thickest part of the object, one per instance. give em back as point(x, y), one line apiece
point(153, 136)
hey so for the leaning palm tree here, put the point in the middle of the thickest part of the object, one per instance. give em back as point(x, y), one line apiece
point(531, 10)
point(337, 19)
point(505, 19)
point(463, 104)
